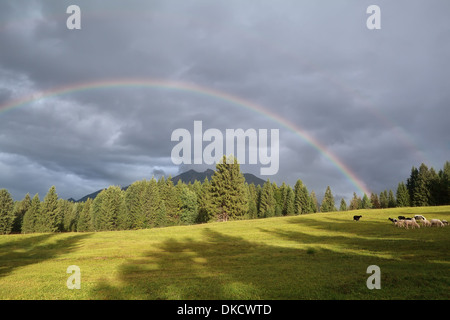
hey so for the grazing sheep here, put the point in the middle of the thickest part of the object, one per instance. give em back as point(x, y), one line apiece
point(401, 218)
point(356, 218)
point(411, 223)
point(393, 220)
point(399, 223)
point(425, 223)
point(419, 217)
point(445, 222)
point(436, 223)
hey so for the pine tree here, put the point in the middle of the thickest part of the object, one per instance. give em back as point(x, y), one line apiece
point(374, 200)
point(290, 198)
point(189, 206)
point(343, 206)
point(205, 208)
point(384, 199)
point(391, 199)
point(50, 219)
point(30, 219)
point(252, 198)
point(6, 212)
point(268, 203)
point(402, 195)
point(85, 220)
point(355, 203)
point(314, 203)
point(20, 208)
point(411, 184)
point(366, 203)
point(228, 194)
point(328, 204)
point(421, 192)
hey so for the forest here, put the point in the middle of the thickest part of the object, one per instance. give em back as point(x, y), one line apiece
point(226, 196)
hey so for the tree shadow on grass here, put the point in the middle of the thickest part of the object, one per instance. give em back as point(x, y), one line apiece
point(21, 252)
point(225, 267)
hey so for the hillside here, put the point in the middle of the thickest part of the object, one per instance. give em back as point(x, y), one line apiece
point(314, 256)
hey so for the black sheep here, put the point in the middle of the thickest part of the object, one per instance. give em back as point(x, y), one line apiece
point(356, 218)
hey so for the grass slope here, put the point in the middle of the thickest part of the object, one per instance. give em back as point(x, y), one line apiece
point(315, 256)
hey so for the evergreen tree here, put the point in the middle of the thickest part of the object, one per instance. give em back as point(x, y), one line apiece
point(30, 219)
point(6, 212)
point(443, 195)
point(374, 200)
point(161, 216)
point(384, 199)
point(205, 208)
point(391, 199)
point(411, 184)
point(252, 198)
point(50, 219)
point(171, 201)
point(228, 194)
point(20, 208)
point(68, 215)
point(356, 202)
point(421, 191)
point(268, 203)
point(84, 222)
point(402, 195)
point(314, 203)
point(366, 203)
point(302, 202)
point(111, 209)
point(328, 204)
point(343, 206)
point(189, 206)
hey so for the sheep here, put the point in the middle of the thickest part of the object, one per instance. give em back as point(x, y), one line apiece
point(445, 222)
point(436, 223)
point(425, 223)
point(399, 223)
point(403, 218)
point(356, 218)
point(419, 217)
point(411, 223)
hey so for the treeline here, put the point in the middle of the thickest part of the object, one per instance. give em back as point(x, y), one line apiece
point(158, 203)
point(424, 187)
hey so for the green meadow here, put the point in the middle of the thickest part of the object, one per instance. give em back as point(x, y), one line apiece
point(313, 256)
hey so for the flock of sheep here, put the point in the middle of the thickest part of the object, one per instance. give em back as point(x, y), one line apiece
point(403, 222)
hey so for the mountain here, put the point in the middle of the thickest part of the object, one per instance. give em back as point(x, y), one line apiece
point(192, 175)
point(186, 177)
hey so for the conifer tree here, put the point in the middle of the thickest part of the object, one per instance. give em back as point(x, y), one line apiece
point(189, 206)
point(402, 195)
point(366, 203)
point(374, 200)
point(228, 194)
point(268, 203)
point(290, 198)
point(50, 218)
point(355, 203)
point(20, 208)
point(328, 204)
point(314, 203)
point(6, 212)
point(30, 219)
point(84, 222)
point(205, 208)
point(343, 205)
point(252, 198)
point(391, 199)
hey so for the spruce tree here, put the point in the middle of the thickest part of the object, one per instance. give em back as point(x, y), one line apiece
point(84, 222)
point(267, 203)
point(391, 199)
point(366, 203)
point(6, 212)
point(355, 203)
point(343, 206)
point(314, 203)
point(374, 200)
point(290, 198)
point(328, 204)
point(228, 194)
point(30, 219)
point(189, 206)
point(205, 208)
point(50, 218)
point(402, 195)
point(20, 208)
point(252, 198)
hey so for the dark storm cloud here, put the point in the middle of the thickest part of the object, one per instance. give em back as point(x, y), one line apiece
point(378, 100)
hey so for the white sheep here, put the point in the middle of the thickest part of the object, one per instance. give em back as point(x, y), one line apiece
point(411, 223)
point(425, 223)
point(436, 223)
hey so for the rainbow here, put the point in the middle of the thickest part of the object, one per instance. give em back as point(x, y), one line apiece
point(202, 90)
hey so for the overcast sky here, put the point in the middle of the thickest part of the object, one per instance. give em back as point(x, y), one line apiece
point(377, 100)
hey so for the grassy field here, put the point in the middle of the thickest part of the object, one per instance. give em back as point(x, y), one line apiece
point(315, 256)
